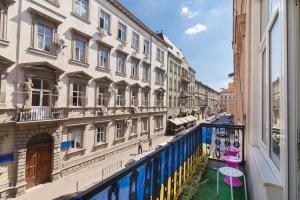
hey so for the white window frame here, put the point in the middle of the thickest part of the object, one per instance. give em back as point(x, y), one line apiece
point(119, 129)
point(134, 69)
point(146, 50)
point(146, 72)
point(101, 133)
point(82, 8)
point(122, 32)
point(105, 21)
point(74, 134)
point(103, 61)
point(120, 98)
point(78, 51)
point(121, 64)
point(134, 127)
point(135, 40)
point(44, 36)
point(102, 96)
point(80, 95)
point(147, 124)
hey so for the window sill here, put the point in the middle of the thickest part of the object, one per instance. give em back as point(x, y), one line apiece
point(103, 69)
point(265, 170)
point(4, 42)
point(71, 152)
point(119, 140)
point(120, 74)
point(133, 135)
point(146, 80)
point(100, 145)
point(134, 77)
point(76, 62)
point(145, 133)
point(43, 53)
point(54, 3)
point(123, 42)
point(81, 18)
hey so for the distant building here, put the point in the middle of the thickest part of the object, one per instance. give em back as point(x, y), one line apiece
point(227, 99)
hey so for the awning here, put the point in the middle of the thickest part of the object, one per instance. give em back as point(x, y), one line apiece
point(176, 121)
point(192, 118)
point(183, 120)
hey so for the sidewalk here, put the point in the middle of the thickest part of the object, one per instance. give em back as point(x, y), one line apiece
point(85, 178)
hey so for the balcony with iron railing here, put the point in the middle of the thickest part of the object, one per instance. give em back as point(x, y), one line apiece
point(185, 168)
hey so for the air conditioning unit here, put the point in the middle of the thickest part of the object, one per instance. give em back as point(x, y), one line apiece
point(129, 123)
point(59, 42)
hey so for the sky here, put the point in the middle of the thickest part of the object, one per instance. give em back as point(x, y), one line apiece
point(202, 29)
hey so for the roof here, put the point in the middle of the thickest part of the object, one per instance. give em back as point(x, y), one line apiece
point(172, 48)
point(132, 17)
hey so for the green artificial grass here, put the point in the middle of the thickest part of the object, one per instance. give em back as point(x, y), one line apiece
point(208, 188)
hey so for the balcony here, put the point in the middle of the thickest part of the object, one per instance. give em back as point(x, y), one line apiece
point(185, 166)
point(186, 79)
point(40, 114)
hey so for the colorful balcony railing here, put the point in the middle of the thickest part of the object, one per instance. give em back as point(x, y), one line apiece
point(160, 174)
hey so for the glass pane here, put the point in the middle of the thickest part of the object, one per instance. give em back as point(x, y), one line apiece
point(46, 85)
point(275, 71)
point(46, 99)
point(35, 98)
point(37, 83)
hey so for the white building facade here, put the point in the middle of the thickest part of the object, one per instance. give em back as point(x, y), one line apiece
point(81, 80)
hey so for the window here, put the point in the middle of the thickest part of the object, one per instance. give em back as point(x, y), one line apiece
point(41, 93)
point(146, 98)
point(101, 134)
point(159, 79)
point(170, 101)
point(105, 21)
point(44, 38)
point(133, 128)
point(134, 98)
point(146, 47)
point(158, 122)
point(102, 96)
point(3, 24)
point(145, 124)
point(119, 130)
point(121, 61)
point(80, 50)
point(81, 8)
point(170, 83)
point(134, 69)
point(146, 72)
point(171, 66)
point(160, 55)
point(78, 94)
point(122, 32)
point(135, 40)
point(159, 99)
point(275, 76)
point(104, 58)
point(76, 138)
point(120, 98)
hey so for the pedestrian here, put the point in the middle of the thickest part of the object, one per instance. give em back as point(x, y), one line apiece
point(140, 149)
point(150, 144)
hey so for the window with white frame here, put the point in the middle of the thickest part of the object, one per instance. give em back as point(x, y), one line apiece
point(78, 94)
point(270, 33)
point(119, 129)
point(159, 122)
point(134, 68)
point(159, 99)
point(104, 21)
point(103, 58)
point(134, 97)
point(146, 98)
point(135, 41)
point(103, 96)
point(133, 128)
point(81, 8)
point(160, 55)
point(146, 47)
point(101, 133)
point(80, 50)
point(120, 97)
point(122, 32)
point(3, 24)
point(44, 37)
point(41, 92)
point(170, 101)
point(159, 78)
point(121, 63)
point(76, 136)
point(145, 124)
point(146, 72)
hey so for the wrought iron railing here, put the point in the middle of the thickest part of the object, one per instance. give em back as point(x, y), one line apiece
point(40, 114)
point(218, 137)
point(160, 175)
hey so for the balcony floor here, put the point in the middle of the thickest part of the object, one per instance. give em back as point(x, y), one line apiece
point(208, 188)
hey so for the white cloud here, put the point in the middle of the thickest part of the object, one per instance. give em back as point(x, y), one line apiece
point(187, 12)
point(198, 28)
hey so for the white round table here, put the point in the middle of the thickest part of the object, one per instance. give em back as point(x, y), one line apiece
point(231, 173)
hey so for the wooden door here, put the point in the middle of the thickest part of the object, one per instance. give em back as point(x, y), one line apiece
point(38, 164)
